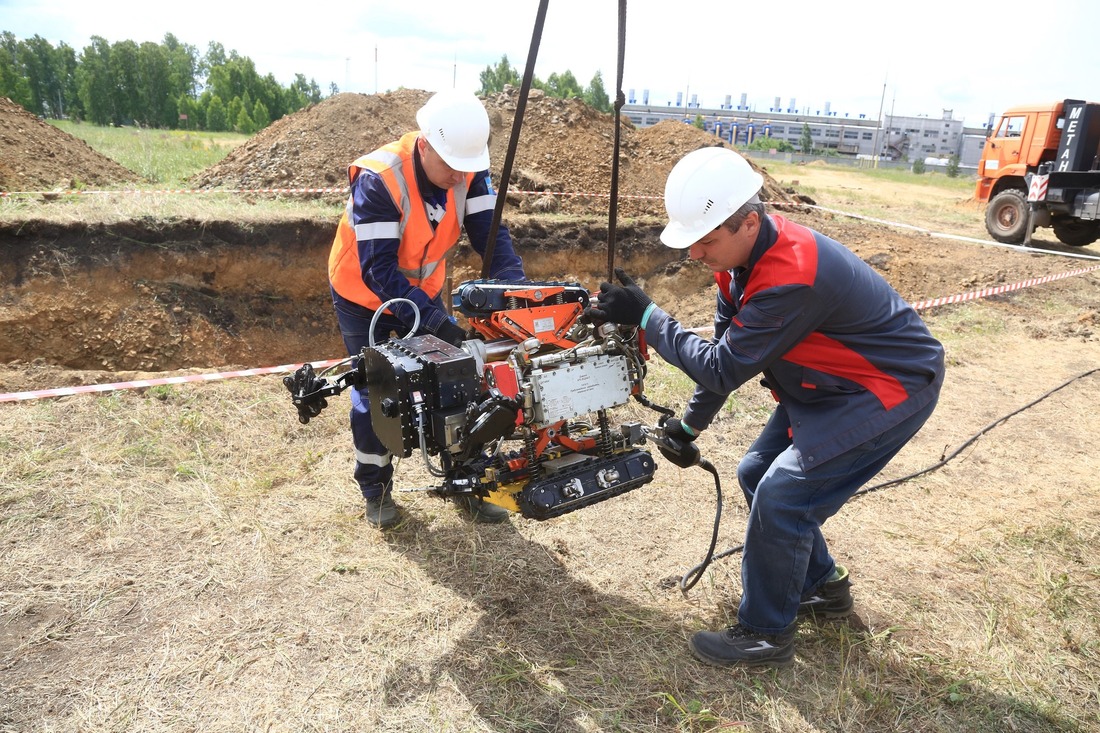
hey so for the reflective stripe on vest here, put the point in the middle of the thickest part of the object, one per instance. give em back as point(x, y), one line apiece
point(422, 251)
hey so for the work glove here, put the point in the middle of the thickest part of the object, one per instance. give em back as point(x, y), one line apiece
point(676, 429)
point(452, 333)
point(626, 305)
point(680, 449)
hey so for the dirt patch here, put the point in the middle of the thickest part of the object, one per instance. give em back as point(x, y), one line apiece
point(35, 155)
point(565, 146)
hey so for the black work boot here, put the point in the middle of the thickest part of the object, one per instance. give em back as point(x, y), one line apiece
point(382, 511)
point(832, 599)
point(480, 511)
point(738, 646)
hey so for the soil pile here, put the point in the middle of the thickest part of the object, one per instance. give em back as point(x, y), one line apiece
point(36, 155)
point(565, 146)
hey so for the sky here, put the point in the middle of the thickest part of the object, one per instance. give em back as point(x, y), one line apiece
point(855, 57)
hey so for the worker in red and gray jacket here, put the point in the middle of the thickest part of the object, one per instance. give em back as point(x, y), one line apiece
point(853, 367)
point(409, 202)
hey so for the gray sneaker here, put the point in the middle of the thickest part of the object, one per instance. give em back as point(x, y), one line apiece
point(382, 511)
point(738, 646)
point(481, 512)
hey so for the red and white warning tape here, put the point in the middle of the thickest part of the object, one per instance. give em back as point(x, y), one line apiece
point(341, 190)
point(986, 292)
point(140, 383)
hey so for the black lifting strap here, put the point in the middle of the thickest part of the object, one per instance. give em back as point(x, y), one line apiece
point(513, 142)
point(620, 100)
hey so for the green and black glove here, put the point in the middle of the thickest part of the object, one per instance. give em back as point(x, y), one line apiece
point(626, 305)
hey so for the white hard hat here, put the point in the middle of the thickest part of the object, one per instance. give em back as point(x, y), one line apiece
point(457, 127)
point(703, 190)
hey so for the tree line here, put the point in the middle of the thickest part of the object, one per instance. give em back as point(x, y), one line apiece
point(166, 85)
point(564, 85)
point(169, 85)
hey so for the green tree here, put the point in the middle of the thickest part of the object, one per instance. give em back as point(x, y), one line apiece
point(149, 84)
point(244, 125)
point(806, 141)
point(595, 95)
point(271, 94)
point(233, 111)
point(770, 143)
point(187, 113)
point(216, 118)
point(155, 104)
point(564, 85)
point(260, 116)
point(494, 78)
point(952, 169)
point(699, 122)
point(183, 65)
point(124, 70)
point(13, 80)
point(95, 82)
point(67, 64)
point(918, 166)
point(301, 93)
point(36, 57)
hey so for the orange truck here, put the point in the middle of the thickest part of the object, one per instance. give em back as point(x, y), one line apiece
point(1041, 168)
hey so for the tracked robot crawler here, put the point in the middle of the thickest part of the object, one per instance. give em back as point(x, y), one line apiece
point(518, 414)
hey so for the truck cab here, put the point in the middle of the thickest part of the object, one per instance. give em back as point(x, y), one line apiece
point(1024, 137)
point(1039, 168)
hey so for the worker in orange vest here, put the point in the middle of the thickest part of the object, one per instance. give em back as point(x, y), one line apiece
point(409, 202)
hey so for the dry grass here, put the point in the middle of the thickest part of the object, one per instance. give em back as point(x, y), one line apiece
point(191, 558)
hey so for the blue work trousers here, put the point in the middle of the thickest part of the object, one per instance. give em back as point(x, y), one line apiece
point(373, 463)
point(785, 556)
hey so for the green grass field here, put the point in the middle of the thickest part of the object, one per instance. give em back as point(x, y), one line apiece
point(163, 157)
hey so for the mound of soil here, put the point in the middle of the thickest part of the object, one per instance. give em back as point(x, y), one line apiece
point(565, 146)
point(35, 155)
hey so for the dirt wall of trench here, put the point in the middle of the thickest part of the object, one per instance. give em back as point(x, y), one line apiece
point(151, 296)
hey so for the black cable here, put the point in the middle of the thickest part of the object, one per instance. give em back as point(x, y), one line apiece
point(970, 441)
point(697, 571)
point(620, 100)
point(513, 142)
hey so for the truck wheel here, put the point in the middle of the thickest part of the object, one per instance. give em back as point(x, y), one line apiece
point(1076, 232)
point(1006, 216)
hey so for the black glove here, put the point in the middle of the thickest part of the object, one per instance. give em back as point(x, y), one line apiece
point(452, 333)
point(676, 430)
point(625, 305)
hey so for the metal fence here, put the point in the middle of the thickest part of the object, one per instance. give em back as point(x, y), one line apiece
point(853, 162)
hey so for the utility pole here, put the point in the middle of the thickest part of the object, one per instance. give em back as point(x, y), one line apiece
point(882, 101)
point(376, 68)
point(890, 118)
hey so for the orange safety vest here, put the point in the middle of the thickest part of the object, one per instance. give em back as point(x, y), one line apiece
point(422, 252)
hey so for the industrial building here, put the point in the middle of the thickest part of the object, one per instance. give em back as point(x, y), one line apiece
point(892, 138)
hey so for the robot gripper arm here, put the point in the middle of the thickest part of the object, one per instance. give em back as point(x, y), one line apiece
point(308, 390)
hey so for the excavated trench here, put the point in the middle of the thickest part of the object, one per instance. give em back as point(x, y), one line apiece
point(150, 295)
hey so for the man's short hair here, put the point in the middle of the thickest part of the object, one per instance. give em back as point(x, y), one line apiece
point(737, 218)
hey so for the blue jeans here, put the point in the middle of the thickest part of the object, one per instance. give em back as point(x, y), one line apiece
point(785, 555)
point(373, 463)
